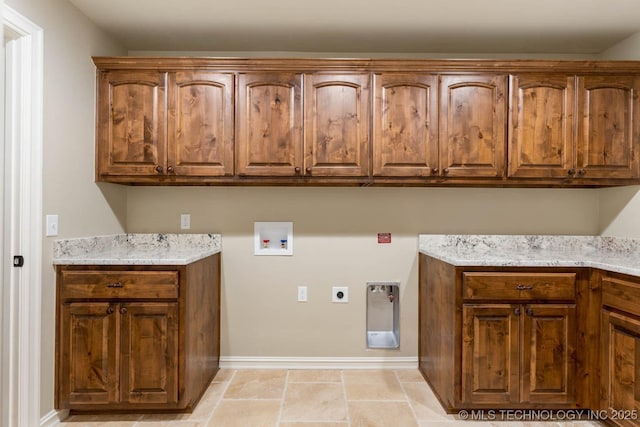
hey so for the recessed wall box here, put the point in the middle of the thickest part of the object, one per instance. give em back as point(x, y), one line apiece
point(273, 238)
point(383, 314)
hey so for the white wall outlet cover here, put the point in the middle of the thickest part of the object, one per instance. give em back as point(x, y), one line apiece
point(340, 294)
point(302, 294)
point(52, 225)
point(185, 221)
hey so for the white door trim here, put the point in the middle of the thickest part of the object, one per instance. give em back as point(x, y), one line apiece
point(21, 327)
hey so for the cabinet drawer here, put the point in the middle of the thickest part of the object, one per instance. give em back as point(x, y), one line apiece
point(518, 286)
point(621, 294)
point(119, 284)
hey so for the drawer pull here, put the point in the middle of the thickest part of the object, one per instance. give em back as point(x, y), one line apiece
point(110, 310)
point(522, 287)
point(123, 310)
point(115, 285)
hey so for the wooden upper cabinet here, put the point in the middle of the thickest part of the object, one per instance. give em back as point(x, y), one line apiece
point(541, 131)
point(269, 124)
point(472, 125)
point(200, 124)
point(336, 124)
point(405, 125)
point(609, 127)
point(131, 122)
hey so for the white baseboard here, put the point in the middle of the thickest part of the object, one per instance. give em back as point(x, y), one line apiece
point(236, 362)
point(54, 418)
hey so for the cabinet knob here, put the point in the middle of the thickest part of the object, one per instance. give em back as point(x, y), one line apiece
point(571, 172)
point(296, 169)
point(169, 169)
point(529, 312)
point(582, 172)
point(517, 311)
point(445, 171)
point(308, 171)
point(110, 310)
point(123, 310)
point(434, 171)
point(159, 169)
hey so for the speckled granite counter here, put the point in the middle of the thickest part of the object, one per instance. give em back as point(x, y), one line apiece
point(142, 249)
point(620, 255)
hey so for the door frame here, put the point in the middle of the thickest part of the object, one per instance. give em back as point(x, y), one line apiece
point(22, 223)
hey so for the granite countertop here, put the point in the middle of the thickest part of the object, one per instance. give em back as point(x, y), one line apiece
point(130, 249)
point(615, 254)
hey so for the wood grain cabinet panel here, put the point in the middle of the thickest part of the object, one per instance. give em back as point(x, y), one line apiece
point(490, 353)
point(472, 125)
point(149, 371)
point(405, 125)
point(548, 353)
point(87, 345)
point(541, 126)
point(269, 125)
point(336, 125)
point(620, 366)
point(131, 122)
point(200, 124)
point(620, 349)
point(609, 127)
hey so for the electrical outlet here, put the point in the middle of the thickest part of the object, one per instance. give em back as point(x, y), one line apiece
point(340, 294)
point(185, 221)
point(302, 294)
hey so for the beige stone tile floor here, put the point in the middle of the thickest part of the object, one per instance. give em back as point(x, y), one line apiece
point(312, 398)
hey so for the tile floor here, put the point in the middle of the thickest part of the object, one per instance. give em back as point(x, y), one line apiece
point(311, 398)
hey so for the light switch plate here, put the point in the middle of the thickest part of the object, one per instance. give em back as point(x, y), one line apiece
point(185, 221)
point(52, 225)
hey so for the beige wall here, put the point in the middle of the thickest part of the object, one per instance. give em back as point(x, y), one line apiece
point(620, 207)
point(335, 243)
point(70, 40)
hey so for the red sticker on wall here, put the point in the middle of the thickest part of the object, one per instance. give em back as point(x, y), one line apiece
point(384, 237)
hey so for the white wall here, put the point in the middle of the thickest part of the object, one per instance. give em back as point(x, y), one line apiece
point(620, 207)
point(70, 40)
point(335, 243)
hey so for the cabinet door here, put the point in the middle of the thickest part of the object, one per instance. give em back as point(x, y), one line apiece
point(149, 372)
point(87, 354)
point(200, 124)
point(269, 124)
point(620, 369)
point(490, 353)
point(472, 125)
point(609, 127)
point(405, 131)
point(131, 123)
point(541, 126)
point(336, 133)
point(548, 353)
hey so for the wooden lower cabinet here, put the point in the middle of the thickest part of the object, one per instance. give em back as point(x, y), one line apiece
point(513, 353)
point(136, 338)
point(505, 338)
point(620, 356)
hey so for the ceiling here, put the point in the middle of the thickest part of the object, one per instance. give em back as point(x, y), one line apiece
point(402, 26)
